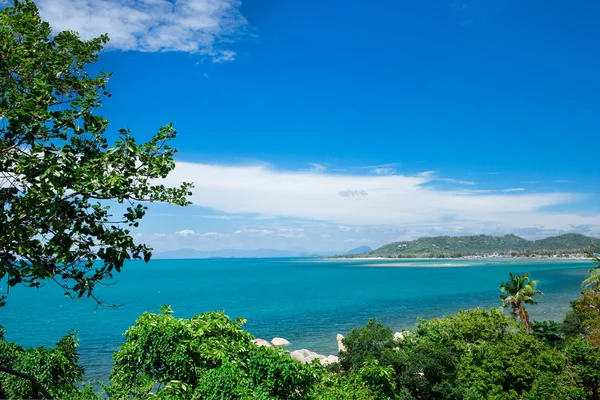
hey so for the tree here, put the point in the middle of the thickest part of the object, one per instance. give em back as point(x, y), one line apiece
point(584, 361)
point(517, 291)
point(57, 168)
point(373, 341)
point(208, 356)
point(594, 279)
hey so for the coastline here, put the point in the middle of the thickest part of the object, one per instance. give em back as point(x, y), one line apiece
point(582, 258)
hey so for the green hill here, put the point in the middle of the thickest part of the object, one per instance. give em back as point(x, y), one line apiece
point(461, 246)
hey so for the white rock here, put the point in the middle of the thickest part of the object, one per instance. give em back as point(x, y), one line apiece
point(261, 342)
point(330, 360)
point(304, 356)
point(398, 335)
point(341, 346)
point(280, 342)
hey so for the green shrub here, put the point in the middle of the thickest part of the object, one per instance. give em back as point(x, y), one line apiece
point(374, 341)
point(56, 369)
point(512, 367)
point(159, 349)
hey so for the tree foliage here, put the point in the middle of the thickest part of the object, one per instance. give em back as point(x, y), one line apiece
point(208, 356)
point(518, 291)
point(57, 167)
point(374, 341)
point(56, 369)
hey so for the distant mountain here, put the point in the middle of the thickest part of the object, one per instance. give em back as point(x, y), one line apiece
point(460, 246)
point(358, 250)
point(234, 253)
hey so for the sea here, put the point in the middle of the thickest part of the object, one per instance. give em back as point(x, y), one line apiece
point(306, 301)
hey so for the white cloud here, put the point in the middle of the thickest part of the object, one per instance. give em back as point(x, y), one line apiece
point(561, 181)
point(185, 233)
point(214, 234)
point(383, 171)
point(315, 167)
point(399, 200)
point(224, 217)
point(353, 193)
point(513, 190)
point(192, 26)
point(374, 167)
point(291, 233)
point(456, 181)
point(359, 241)
point(253, 231)
point(434, 176)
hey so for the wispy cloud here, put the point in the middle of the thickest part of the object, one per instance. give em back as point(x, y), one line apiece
point(316, 167)
point(353, 193)
point(383, 171)
point(561, 181)
point(214, 235)
point(456, 181)
point(400, 200)
point(432, 176)
point(291, 233)
point(253, 231)
point(192, 26)
point(510, 190)
point(185, 233)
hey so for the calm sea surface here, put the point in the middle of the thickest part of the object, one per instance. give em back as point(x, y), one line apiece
point(303, 300)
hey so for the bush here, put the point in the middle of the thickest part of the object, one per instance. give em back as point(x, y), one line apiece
point(584, 362)
point(513, 367)
point(374, 341)
point(429, 371)
point(159, 349)
point(56, 369)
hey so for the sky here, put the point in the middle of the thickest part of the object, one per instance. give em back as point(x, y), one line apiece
point(328, 125)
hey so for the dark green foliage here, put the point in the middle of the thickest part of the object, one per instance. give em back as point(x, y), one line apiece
point(584, 362)
point(460, 246)
point(374, 341)
point(343, 387)
point(58, 170)
point(56, 369)
point(463, 329)
point(379, 379)
point(549, 332)
point(512, 367)
point(572, 325)
point(429, 371)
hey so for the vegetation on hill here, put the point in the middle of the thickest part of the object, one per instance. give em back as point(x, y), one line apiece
point(462, 246)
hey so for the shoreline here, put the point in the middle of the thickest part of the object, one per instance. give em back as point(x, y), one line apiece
point(468, 258)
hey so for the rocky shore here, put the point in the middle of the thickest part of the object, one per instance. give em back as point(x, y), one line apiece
point(306, 356)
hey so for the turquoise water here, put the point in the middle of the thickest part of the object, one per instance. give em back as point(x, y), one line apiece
point(303, 300)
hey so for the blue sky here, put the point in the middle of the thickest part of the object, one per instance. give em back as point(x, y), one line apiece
point(327, 125)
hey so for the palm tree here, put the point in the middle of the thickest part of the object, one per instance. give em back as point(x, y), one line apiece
point(593, 282)
point(517, 291)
